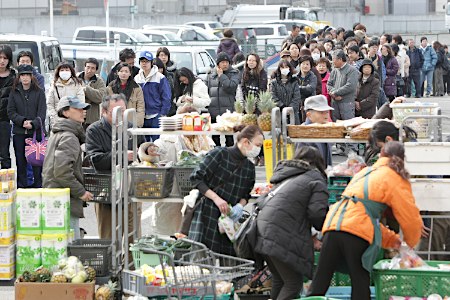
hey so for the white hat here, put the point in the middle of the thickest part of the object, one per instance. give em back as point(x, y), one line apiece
point(318, 103)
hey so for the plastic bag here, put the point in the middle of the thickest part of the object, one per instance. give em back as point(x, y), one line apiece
point(227, 121)
point(227, 225)
point(406, 259)
point(350, 167)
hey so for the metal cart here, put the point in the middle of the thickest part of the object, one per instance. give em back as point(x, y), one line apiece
point(194, 275)
point(107, 188)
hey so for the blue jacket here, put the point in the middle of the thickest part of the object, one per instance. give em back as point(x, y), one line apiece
point(40, 79)
point(416, 59)
point(157, 93)
point(429, 58)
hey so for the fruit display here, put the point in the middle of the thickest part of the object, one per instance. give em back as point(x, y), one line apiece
point(106, 291)
point(265, 105)
point(350, 167)
point(239, 107)
point(227, 121)
point(68, 270)
point(250, 106)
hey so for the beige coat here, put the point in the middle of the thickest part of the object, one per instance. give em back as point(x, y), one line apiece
point(59, 88)
point(136, 101)
point(94, 91)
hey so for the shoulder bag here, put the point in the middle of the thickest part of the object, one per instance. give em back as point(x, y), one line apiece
point(245, 237)
point(34, 150)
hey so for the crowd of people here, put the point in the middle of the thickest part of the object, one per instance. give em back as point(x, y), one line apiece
point(334, 74)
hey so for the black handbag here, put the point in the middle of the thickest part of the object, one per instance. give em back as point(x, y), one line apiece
point(246, 236)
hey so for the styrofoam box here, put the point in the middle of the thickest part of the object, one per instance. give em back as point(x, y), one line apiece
point(431, 194)
point(428, 158)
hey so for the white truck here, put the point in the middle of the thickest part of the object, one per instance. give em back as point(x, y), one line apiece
point(245, 15)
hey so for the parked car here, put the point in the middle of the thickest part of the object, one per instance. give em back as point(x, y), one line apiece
point(97, 35)
point(270, 37)
point(46, 51)
point(192, 36)
point(310, 27)
point(164, 37)
point(211, 26)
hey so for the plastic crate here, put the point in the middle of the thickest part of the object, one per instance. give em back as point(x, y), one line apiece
point(336, 186)
point(99, 184)
point(253, 296)
point(140, 258)
point(151, 183)
point(319, 298)
point(182, 175)
point(93, 252)
point(410, 282)
point(421, 126)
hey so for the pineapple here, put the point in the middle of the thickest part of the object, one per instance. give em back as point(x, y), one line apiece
point(106, 291)
point(58, 278)
point(265, 105)
point(91, 273)
point(43, 274)
point(238, 106)
point(250, 105)
point(29, 276)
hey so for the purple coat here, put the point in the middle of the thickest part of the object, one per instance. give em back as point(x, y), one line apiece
point(390, 87)
point(229, 46)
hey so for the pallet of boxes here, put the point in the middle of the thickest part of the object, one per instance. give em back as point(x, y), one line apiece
point(7, 230)
point(43, 270)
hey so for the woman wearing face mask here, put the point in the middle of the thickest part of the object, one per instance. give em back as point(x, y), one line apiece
point(125, 84)
point(285, 89)
point(64, 84)
point(315, 54)
point(307, 81)
point(225, 178)
point(26, 105)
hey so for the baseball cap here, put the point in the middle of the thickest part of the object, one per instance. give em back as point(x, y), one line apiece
point(318, 103)
point(146, 54)
point(71, 101)
point(25, 69)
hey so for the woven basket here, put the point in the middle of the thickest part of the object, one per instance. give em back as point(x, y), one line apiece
point(315, 131)
point(360, 133)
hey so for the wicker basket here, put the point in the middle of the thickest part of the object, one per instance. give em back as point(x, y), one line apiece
point(360, 133)
point(316, 131)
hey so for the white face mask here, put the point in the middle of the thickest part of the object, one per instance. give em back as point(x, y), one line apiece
point(254, 152)
point(65, 75)
point(285, 72)
point(315, 56)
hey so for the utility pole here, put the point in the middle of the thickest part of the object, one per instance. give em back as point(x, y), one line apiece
point(133, 11)
point(51, 17)
point(107, 22)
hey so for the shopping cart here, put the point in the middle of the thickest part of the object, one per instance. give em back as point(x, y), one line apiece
point(195, 275)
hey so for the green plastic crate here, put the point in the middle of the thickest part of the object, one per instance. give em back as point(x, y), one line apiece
point(140, 258)
point(409, 282)
point(336, 186)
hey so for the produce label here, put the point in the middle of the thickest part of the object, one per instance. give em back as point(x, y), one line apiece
point(28, 255)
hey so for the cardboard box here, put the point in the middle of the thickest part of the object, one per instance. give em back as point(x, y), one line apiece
point(7, 254)
point(7, 271)
point(7, 217)
point(7, 237)
point(8, 196)
point(60, 291)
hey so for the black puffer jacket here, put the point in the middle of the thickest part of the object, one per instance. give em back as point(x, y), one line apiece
point(4, 95)
point(222, 91)
point(284, 224)
point(286, 95)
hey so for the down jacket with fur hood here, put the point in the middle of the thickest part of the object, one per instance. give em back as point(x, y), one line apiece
point(284, 223)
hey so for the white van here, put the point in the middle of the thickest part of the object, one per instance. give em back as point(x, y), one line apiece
point(97, 35)
point(211, 26)
point(46, 51)
point(270, 37)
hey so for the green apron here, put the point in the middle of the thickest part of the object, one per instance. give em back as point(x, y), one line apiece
point(374, 210)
